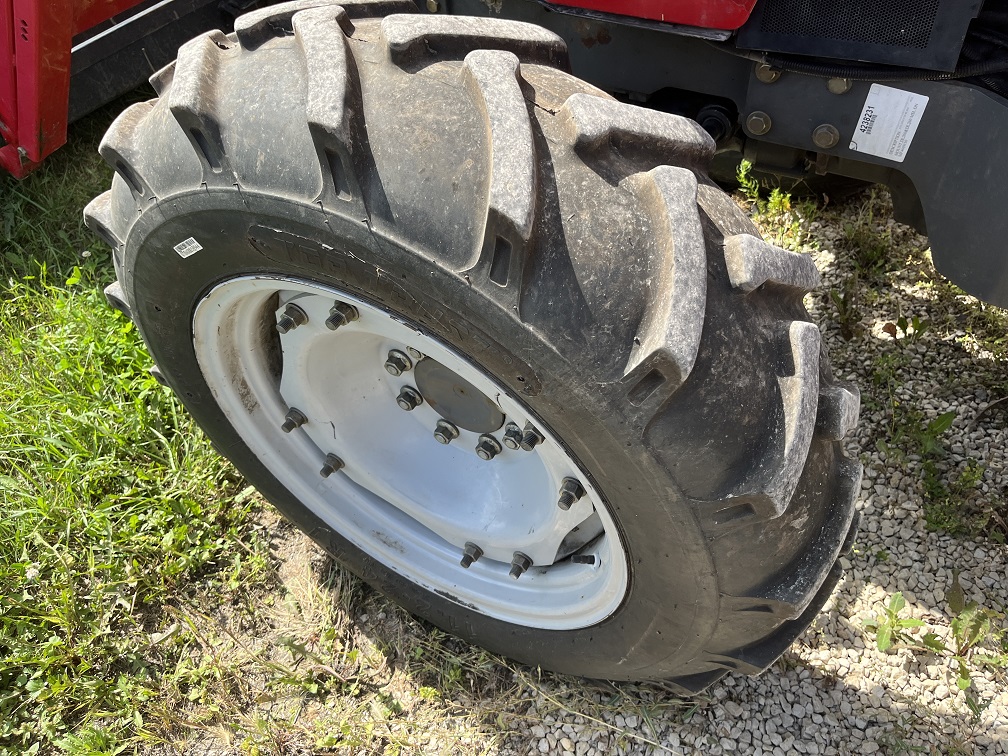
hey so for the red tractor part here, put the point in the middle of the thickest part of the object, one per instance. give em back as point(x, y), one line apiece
point(725, 15)
point(35, 42)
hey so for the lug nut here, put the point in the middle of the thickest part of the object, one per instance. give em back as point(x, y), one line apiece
point(531, 438)
point(519, 564)
point(292, 317)
point(340, 314)
point(397, 363)
point(295, 418)
point(488, 447)
point(332, 464)
point(583, 559)
point(409, 398)
point(512, 436)
point(472, 553)
point(570, 491)
point(445, 432)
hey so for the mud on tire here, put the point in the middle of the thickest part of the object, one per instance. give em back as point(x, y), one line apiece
point(451, 173)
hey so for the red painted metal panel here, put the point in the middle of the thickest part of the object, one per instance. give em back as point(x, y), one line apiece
point(42, 40)
point(708, 14)
point(35, 42)
point(8, 92)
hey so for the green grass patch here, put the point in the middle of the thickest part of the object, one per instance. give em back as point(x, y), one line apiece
point(113, 501)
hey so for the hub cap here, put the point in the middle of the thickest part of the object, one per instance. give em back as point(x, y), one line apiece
point(416, 503)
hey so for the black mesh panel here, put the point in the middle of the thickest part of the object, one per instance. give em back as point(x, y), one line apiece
point(903, 23)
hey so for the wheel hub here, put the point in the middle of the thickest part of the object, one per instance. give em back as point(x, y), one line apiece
point(411, 452)
point(455, 399)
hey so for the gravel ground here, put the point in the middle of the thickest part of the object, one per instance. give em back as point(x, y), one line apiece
point(833, 691)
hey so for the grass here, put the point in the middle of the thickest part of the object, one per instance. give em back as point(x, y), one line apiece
point(114, 503)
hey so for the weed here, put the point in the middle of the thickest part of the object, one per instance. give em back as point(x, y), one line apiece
point(978, 637)
point(869, 247)
point(889, 627)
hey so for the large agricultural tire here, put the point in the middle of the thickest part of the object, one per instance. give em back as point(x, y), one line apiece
point(520, 248)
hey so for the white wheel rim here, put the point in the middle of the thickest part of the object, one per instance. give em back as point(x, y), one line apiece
point(403, 498)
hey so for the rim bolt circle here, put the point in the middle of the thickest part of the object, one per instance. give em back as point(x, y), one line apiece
point(519, 564)
point(294, 418)
point(409, 398)
point(488, 447)
point(340, 314)
point(445, 432)
point(571, 491)
point(292, 317)
point(397, 363)
point(512, 436)
point(531, 438)
point(332, 464)
point(472, 553)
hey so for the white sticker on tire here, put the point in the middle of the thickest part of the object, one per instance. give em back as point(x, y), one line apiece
point(888, 122)
point(188, 248)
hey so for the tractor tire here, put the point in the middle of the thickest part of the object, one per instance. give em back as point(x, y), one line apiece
point(490, 337)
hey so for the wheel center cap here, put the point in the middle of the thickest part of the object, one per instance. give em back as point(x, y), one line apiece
point(455, 399)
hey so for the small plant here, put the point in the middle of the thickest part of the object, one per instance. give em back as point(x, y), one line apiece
point(910, 330)
point(972, 625)
point(975, 631)
point(889, 627)
point(848, 312)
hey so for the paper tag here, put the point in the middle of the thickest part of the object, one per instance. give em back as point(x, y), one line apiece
point(188, 248)
point(888, 122)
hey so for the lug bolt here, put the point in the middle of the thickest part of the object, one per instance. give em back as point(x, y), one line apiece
point(292, 317)
point(839, 86)
point(767, 74)
point(340, 314)
point(570, 491)
point(583, 559)
point(472, 553)
point(409, 398)
point(295, 418)
point(488, 447)
point(758, 123)
point(445, 432)
point(332, 464)
point(519, 564)
point(397, 363)
point(826, 137)
point(416, 354)
point(512, 436)
point(531, 438)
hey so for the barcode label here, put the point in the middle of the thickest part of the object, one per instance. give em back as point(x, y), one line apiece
point(188, 248)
